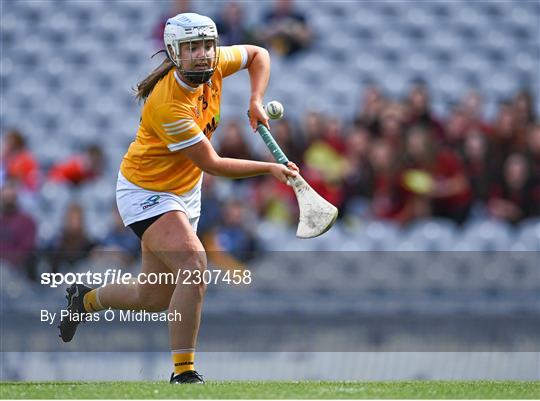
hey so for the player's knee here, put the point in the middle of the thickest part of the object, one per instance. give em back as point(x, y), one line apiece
point(196, 260)
point(191, 263)
point(190, 259)
point(192, 274)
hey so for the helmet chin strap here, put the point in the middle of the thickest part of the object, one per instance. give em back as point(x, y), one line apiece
point(197, 77)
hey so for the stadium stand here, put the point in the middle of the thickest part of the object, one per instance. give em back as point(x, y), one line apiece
point(66, 83)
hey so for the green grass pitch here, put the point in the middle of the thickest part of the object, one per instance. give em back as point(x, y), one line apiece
point(279, 390)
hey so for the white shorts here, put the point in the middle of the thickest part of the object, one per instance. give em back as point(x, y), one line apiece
point(136, 203)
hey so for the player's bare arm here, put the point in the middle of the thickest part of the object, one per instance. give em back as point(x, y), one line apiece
point(205, 157)
point(258, 66)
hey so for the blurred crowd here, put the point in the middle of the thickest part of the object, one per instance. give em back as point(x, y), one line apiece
point(397, 160)
point(394, 159)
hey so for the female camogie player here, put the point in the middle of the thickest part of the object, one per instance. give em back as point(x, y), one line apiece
point(159, 184)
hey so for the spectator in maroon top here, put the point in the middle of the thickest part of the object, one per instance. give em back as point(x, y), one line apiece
point(370, 108)
point(449, 192)
point(456, 128)
point(333, 134)
point(523, 106)
point(388, 200)
point(356, 181)
point(472, 105)
point(506, 138)
point(290, 142)
point(478, 166)
point(233, 144)
point(73, 243)
point(313, 126)
point(533, 152)
point(513, 199)
point(419, 110)
point(392, 124)
point(17, 232)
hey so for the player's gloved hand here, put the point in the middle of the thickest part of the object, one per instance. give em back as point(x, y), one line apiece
point(257, 114)
point(282, 173)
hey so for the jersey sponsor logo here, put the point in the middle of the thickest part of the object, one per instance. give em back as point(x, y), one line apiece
point(211, 126)
point(151, 201)
point(183, 363)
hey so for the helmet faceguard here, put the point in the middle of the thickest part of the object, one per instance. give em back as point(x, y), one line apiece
point(195, 30)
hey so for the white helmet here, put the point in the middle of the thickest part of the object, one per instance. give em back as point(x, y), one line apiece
point(188, 28)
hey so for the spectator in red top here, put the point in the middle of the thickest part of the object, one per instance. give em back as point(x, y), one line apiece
point(17, 232)
point(79, 169)
point(18, 162)
point(449, 193)
point(513, 199)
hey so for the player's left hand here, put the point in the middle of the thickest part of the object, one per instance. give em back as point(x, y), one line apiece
point(257, 114)
point(293, 167)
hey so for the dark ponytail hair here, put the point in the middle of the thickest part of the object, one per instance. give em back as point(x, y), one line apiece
point(145, 87)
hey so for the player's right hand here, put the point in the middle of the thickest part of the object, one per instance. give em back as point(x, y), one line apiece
point(257, 114)
point(282, 173)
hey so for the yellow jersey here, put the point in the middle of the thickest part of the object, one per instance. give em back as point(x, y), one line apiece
point(174, 117)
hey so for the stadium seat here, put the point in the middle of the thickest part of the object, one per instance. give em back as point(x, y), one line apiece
point(273, 237)
point(488, 235)
point(432, 234)
point(528, 235)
